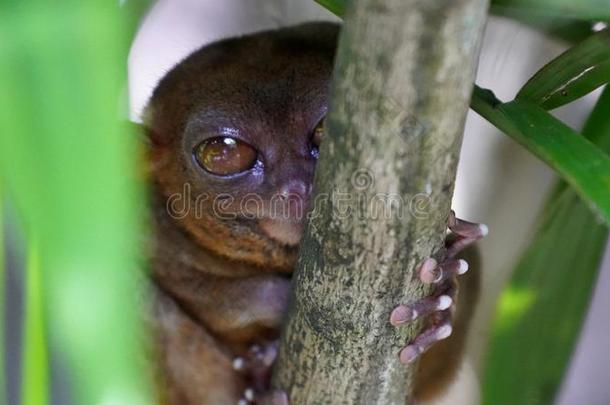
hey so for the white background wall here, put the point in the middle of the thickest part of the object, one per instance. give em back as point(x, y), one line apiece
point(498, 181)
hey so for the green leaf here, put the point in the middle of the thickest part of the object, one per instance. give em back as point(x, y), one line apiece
point(580, 163)
point(583, 9)
point(34, 384)
point(541, 312)
point(569, 20)
point(335, 6)
point(575, 73)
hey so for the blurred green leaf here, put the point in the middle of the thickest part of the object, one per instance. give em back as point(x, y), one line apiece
point(575, 73)
point(541, 312)
point(34, 383)
point(66, 163)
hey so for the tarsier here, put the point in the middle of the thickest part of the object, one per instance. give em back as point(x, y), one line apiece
point(239, 118)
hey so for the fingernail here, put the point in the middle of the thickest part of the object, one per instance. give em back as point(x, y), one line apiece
point(463, 268)
point(431, 276)
point(249, 394)
point(238, 363)
point(408, 355)
point(444, 332)
point(444, 302)
point(429, 271)
point(280, 398)
point(402, 314)
point(429, 264)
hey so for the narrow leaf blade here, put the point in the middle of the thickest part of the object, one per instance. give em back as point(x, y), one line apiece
point(573, 74)
point(583, 9)
point(337, 7)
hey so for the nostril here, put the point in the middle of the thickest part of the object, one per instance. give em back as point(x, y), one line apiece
point(295, 189)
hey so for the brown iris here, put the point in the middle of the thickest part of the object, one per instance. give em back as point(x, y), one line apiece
point(224, 156)
point(318, 133)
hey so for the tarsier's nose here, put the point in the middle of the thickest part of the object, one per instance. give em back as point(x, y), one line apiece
point(287, 212)
point(292, 200)
point(295, 189)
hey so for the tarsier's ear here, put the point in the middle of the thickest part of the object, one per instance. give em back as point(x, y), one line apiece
point(153, 154)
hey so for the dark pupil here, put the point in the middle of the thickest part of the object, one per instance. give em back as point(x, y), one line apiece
point(225, 155)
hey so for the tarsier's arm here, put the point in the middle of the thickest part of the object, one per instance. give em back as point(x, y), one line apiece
point(234, 131)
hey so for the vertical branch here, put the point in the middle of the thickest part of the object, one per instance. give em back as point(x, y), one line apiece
point(402, 83)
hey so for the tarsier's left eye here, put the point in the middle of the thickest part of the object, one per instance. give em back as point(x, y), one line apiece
point(318, 133)
point(225, 155)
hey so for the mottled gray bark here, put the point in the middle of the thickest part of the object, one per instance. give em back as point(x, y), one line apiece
point(384, 183)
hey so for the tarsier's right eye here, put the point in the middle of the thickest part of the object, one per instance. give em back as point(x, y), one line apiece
point(224, 156)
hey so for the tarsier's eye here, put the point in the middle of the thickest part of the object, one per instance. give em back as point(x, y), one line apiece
point(318, 133)
point(224, 156)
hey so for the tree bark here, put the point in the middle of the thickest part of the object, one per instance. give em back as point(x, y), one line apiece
point(401, 88)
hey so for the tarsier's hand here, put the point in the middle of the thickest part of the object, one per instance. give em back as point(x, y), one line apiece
point(440, 305)
point(256, 366)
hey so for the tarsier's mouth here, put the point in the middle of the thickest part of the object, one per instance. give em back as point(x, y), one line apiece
point(287, 231)
point(285, 221)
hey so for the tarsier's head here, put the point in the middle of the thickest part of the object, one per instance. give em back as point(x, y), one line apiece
point(235, 130)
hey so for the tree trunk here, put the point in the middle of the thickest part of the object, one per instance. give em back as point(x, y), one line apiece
point(402, 84)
